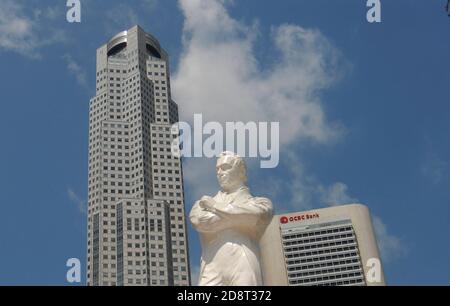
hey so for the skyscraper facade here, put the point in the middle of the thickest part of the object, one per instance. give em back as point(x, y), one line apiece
point(333, 246)
point(136, 219)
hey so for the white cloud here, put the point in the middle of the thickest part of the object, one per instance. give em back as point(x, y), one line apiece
point(22, 31)
point(81, 204)
point(16, 30)
point(75, 69)
point(391, 247)
point(434, 168)
point(336, 194)
point(119, 18)
point(219, 76)
point(300, 186)
point(50, 13)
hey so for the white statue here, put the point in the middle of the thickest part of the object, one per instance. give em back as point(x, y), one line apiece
point(230, 225)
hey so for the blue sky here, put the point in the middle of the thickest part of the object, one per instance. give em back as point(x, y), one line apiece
point(377, 96)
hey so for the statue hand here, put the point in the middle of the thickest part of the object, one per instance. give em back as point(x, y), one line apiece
point(207, 203)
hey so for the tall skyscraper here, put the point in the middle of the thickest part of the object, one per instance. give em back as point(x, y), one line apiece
point(136, 218)
point(323, 247)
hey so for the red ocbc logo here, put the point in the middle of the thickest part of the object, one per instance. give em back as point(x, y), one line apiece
point(284, 219)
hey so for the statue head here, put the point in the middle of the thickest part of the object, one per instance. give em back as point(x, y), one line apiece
point(231, 171)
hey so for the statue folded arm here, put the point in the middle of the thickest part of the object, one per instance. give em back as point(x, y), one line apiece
point(206, 221)
point(234, 214)
point(248, 212)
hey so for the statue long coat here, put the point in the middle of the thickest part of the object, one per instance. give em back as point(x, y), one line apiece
point(229, 234)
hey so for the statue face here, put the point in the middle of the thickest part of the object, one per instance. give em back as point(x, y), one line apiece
point(228, 174)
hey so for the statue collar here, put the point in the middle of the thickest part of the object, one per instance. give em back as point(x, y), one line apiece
point(239, 190)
